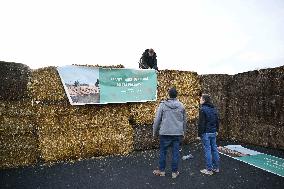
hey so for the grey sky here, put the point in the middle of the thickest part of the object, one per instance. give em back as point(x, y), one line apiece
point(221, 36)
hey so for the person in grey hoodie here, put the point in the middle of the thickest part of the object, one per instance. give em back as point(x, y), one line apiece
point(170, 124)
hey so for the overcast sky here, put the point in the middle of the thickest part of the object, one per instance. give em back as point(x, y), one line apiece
point(206, 36)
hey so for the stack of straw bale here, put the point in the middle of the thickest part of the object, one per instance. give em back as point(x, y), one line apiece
point(256, 107)
point(73, 132)
point(217, 86)
point(143, 114)
point(18, 140)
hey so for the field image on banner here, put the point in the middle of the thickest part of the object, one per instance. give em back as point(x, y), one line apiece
point(92, 85)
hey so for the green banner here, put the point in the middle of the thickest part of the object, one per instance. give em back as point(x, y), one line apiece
point(263, 161)
point(91, 85)
point(266, 162)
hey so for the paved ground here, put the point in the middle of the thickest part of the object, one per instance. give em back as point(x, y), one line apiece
point(135, 171)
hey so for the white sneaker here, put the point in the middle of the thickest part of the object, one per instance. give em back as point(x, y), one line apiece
point(175, 174)
point(216, 170)
point(206, 172)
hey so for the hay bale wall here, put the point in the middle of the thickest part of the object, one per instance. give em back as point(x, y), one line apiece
point(37, 122)
point(256, 107)
point(251, 105)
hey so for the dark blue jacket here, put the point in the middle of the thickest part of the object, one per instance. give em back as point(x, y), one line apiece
point(208, 119)
point(147, 61)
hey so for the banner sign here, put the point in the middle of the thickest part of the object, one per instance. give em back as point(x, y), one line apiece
point(92, 85)
point(265, 162)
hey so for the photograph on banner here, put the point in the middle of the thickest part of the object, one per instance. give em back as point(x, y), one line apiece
point(81, 84)
point(92, 85)
point(236, 151)
point(229, 152)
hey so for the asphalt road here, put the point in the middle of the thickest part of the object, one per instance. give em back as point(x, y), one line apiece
point(135, 171)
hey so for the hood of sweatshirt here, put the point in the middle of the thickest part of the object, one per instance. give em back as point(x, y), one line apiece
point(172, 103)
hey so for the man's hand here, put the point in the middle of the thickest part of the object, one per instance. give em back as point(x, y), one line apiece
point(198, 138)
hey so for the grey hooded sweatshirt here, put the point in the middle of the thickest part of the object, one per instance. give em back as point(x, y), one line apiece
point(170, 118)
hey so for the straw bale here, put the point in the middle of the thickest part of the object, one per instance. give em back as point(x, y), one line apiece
point(16, 125)
point(46, 85)
point(186, 83)
point(256, 107)
point(276, 139)
point(92, 141)
point(18, 150)
point(58, 118)
point(191, 105)
point(60, 146)
point(143, 137)
point(14, 78)
point(143, 113)
point(113, 139)
point(91, 130)
point(164, 78)
point(26, 141)
point(17, 108)
point(191, 133)
point(11, 158)
point(55, 108)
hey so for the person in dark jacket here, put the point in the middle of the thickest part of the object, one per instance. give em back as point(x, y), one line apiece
point(148, 60)
point(170, 123)
point(208, 126)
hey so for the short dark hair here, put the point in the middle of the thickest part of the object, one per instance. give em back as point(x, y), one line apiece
point(173, 92)
point(206, 98)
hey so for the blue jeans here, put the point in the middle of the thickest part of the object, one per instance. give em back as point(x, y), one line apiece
point(165, 142)
point(212, 158)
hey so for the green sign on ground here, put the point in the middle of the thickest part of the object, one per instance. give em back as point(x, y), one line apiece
point(263, 161)
point(266, 162)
